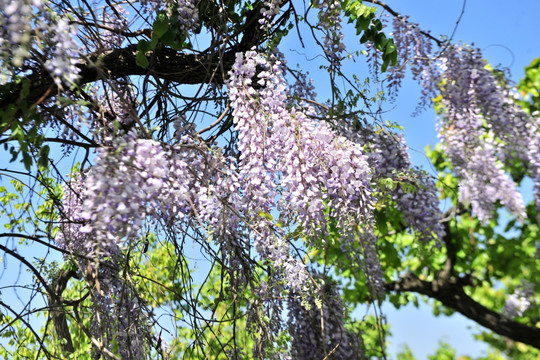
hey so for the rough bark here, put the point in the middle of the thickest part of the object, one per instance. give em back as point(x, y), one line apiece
point(211, 66)
point(57, 312)
point(449, 290)
point(165, 63)
point(451, 294)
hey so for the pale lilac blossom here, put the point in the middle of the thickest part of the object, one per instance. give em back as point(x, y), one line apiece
point(316, 326)
point(62, 65)
point(329, 17)
point(520, 300)
point(292, 163)
point(16, 17)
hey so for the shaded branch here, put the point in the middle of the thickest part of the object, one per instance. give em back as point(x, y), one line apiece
point(448, 288)
point(63, 251)
point(448, 269)
point(451, 294)
point(165, 63)
point(57, 312)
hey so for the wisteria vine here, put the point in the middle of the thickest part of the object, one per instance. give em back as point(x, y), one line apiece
point(298, 173)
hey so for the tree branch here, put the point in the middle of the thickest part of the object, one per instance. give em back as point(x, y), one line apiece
point(56, 308)
point(395, 14)
point(448, 289)
point(451, 294)
point(165, 63)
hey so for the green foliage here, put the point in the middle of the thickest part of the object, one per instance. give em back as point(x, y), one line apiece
point(228, 333)
point(25, 131)
point(529, 87)
point(443, 352)
point(501, 252)
point(498, 255)
point(161, 271)
point(21, 338)
point(22, 209)
point(507, 349)
point(370, 28)
point(373, 332)
point(405, 353)
point(167, 32)
point(21, 342)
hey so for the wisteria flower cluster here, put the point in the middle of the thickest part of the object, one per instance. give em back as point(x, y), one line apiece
point(268, 11)
point(533, 152)
point(185, 11)
point(117, 22)
point(118, 314)
point(136, 181)
point(520, 301)
point(119, 101)
point(420, 207)
point(65, 53)
point(330, 21)
point(292, 163)
point(388, 157)
point(415, 52)
point(188, 14)
point(15, 34)
point(317, 327)
point(481, 126)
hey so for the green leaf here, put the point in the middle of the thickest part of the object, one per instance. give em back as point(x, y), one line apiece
point(390, 48)
point(161, 25)
point(141, 60)
point(144, 46)
point(43, 160)
point(27, 161)
point(267, 216)
point(169, 37)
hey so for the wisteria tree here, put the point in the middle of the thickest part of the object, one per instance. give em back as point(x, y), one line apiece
point(176, 189)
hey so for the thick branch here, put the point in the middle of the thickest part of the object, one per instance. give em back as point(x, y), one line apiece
point(165, 63)
point(451, 294)
point(57, 312)
point(448, 270)
point(211, 66)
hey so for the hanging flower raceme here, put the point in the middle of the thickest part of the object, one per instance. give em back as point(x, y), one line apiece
point(16, 18)
point(136, 179)
point(533, 151)
point(134, 182)
point(420, 207)
point(116, 23)
point(480, 128)
point(65, 52)
point(330, 22)
point(520, 301)
point(317, 328)
point(292, 163)
point(389, 159)
point(184, 11)
point(415, 51)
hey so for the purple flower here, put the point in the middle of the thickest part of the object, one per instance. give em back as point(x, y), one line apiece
point(63, 64)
